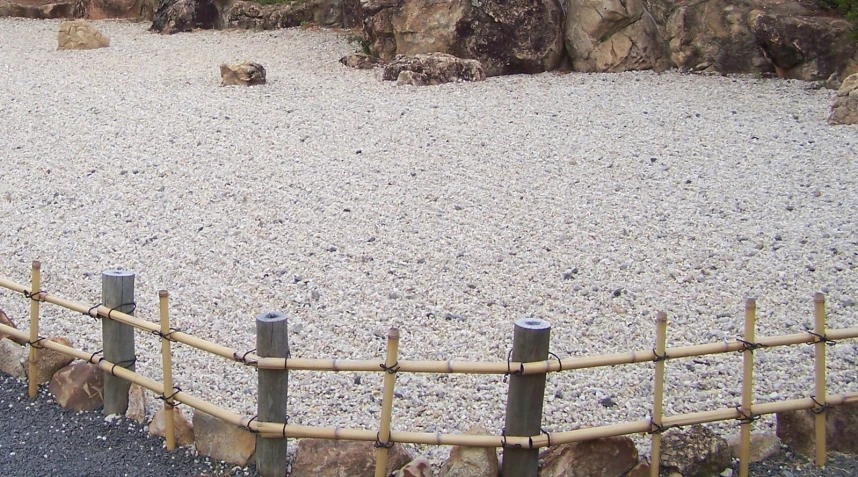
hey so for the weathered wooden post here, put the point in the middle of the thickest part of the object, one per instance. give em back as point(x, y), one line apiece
point(272, 341)
point(117, 292)
point(526, 396)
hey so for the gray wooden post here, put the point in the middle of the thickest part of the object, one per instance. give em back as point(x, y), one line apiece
point(525, 396)
point(117, 291)
point(272, 341)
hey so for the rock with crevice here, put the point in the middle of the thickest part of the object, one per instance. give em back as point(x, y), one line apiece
point(432, 69)
point(78, 386)
point(252, 15)
point(694, 452)
point(844, 108)
point(361, 61)
point(242, 74)
point(175, 16)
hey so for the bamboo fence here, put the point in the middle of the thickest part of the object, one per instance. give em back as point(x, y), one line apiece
point(746, 412)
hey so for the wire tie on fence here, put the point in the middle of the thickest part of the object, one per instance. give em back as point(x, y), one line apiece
point(169, 399)
point(750, 346)
point(658, 357)
point(243, 359)
point(656, 428)
point(285, 423)
point(92, 356)
point(383, 445)
point(393, 369)
point(167, 336)
point(746, 417)
point(822, 406)
point(821, 338)
point(504, 442)
point(125, 364)
point(547, 434)
point(93, 312)
point(133, 306)
point(509, 370)
point(247, 426)
point(37, 343)
point(559, 362)
point(38, 296)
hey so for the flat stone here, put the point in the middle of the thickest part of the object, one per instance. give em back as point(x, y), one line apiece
point(221, 440)
point(78, 386)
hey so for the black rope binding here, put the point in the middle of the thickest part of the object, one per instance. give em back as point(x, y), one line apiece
point(38, 296)
point(167, 336)
point(247, 426)
point(243, 358)
point(285, 423)
point(657, 428)
point(822, 407)
point(393, 369)
point(92, 356)
point(559, 362)
point(821, 338)
point(382, 445)
point(547, 434)
point(93, 312)
point(125, 364)
point(509, 370)
point(746, 418)
point(506, 445)
point(133, 306)
point(169, 399)
point(37, 343)
point(749, 346)
point(658, 357)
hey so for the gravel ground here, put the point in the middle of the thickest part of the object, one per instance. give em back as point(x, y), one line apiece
point(354, 205)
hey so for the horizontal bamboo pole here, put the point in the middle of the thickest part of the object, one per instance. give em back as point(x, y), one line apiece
point(443, 367)
point(277, 430)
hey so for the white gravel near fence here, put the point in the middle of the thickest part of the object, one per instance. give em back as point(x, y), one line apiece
point(354, 205)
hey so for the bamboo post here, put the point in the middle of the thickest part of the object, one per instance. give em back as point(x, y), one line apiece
point(819, 358)
point(167, 363)
point(747, 386)
point(35, 294)
point(658, 403)
point(526, 396)
point(272, 341)
point(390, 367)
point(117, 292)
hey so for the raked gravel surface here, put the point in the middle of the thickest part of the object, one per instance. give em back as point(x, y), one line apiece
point(354, 205)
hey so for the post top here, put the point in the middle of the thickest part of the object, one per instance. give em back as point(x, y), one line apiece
point(118, 273)
point(532, 324)
point(271, 316)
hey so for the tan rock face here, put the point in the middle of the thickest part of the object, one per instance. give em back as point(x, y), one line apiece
point(324, 458)
point(221, 440)
point(136, 403)
point(49, 361)
point(12, 358)
point(78, 386)
point(844, 108)
point(184, 430)
point(132, 9)
point(246, 74)
point(612, 36)
point(5, 320)
point(418, 467)
point(609, 457)
point(694, 452)
point(796, 429)
point(432, 69)
point(471, 461)
point(361, 62)
point(80, 35)
point(763, 445)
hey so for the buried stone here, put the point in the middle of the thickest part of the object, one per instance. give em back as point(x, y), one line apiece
point(247, 74)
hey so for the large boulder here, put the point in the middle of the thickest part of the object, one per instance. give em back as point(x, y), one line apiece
point(221, 440)
point(804, 47)
point(694, 452)
point(130, 9)
point(507, 37)
point(326, 458)
point(613, 36)
point(174, 16)
point(80, 35)
point(50, 361)
point(251, 15)
point(41, 9)
point(471, 461)
point(78, 386)
point(608, 457)
point(796, 429)
point(432, 69)
point(844, 108)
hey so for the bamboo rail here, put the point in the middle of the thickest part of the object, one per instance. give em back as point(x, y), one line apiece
point(276, 430)
point(435, 367)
